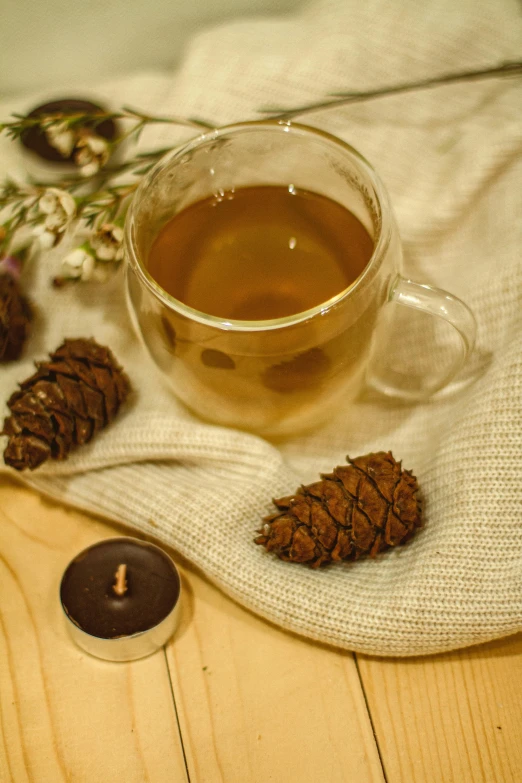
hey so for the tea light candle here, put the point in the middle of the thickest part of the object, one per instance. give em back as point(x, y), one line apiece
point(121, 598)
point(42, 160)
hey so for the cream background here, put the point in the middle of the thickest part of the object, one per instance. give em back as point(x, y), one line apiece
point(51, 44)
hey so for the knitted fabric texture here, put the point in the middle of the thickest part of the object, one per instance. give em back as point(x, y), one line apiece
point(451, 160)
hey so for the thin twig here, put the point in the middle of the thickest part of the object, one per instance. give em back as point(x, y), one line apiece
point(344, 98)
point(21, 123)
point(193, 122)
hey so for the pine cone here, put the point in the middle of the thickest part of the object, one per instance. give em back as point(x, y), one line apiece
point(67, 400)
point(15, 316)
point(362, 508)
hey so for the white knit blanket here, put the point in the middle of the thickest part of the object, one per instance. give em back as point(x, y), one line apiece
point(451, 160)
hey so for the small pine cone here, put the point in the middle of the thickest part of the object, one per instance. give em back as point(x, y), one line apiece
point(15, 317)
point(67, 400)
point(362, 508)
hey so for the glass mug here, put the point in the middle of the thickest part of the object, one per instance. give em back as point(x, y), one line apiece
point(286, 375)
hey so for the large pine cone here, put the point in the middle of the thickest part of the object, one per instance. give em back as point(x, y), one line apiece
point(15, 316)
point(362, 508)
point(68, 399)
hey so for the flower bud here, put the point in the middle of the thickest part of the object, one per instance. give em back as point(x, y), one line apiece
point(77, 263)
point(107, 243)
point(91, 153)
point(61, 137)
point(46, 239)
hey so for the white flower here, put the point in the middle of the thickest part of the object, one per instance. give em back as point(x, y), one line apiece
point(107, 243)
point(91, 153)
point(88, 268)
point(46, 239)
point(90, 169)
point(59, 207)
point(61, 137)
point(79, 263)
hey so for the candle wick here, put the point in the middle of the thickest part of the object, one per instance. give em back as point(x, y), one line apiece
point(120, 586)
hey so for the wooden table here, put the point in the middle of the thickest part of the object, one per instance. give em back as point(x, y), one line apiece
point(232, 698)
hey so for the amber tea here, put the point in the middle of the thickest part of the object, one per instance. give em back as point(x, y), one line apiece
point(259, 253)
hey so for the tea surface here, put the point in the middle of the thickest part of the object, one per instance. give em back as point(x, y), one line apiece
point(259, 253)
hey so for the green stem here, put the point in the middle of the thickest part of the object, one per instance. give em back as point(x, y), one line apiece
point(21, 123)
point(344, 98)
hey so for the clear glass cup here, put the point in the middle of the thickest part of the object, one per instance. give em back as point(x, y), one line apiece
point(285, 375)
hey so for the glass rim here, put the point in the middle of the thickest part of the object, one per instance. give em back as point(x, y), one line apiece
point(280, 126)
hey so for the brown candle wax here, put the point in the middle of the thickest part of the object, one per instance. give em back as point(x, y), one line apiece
point(119, 587)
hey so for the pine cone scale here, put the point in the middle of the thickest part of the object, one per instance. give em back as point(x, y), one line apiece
point(363, 532)
point(385, 473)
point(302, 510)
point(65, 427)
point(372, 502)
point(40, 426)
point(26, 451)
point(403, 503)
point(281, 533)
point(323, 526)
point(349, 479)
point(26, 403)
point(335, 500)
point(362, 508)
point(395, 530)
point(44, 369)
point(94, 405)
point(84, 430)
point(50, 395)
point(343, 547)
point(72, 394)
point(303, 548)
point(316, 489)
point(79, 370)
point(105, 382)
point(283, 503)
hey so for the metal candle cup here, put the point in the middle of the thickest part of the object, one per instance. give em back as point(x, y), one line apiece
point(121, 598)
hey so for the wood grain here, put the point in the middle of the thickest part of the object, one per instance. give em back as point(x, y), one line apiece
point(254, 704)
point(453, 718)
point(65, 716)
point(258, 704)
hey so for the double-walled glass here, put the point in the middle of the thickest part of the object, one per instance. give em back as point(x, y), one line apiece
point(278, 376)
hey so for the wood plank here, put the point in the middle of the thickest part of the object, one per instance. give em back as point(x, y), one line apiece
point(257, 704)
point(65, 716)
point(449, 718)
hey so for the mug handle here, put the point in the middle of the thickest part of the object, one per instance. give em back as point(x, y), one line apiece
point(441, 304)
